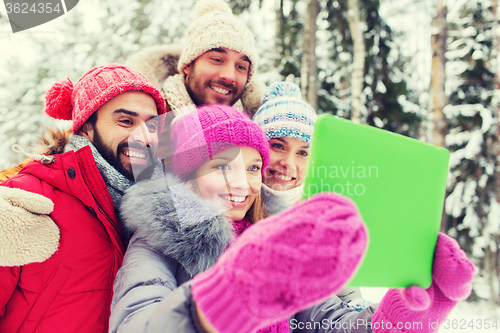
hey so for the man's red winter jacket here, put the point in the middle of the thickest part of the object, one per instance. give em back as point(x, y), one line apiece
point(72, 290)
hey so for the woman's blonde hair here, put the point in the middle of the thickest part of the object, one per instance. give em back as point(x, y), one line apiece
point(256, 211)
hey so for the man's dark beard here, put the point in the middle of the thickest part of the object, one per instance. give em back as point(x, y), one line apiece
point(113, 158)
point(195, 99)
point(199, 99)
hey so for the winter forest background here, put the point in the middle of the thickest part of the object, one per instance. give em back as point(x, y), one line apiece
point(427, 69)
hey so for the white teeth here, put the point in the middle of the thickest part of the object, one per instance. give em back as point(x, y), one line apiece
point(220, 90)
point(283, 177)
point(133, 154)
point(233, 198)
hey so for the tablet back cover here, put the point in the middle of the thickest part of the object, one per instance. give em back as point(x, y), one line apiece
point(398, 184)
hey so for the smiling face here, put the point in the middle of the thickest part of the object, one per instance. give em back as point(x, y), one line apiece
point(287, 163)
point(232, 178)
point(126, 132)
point(217, 77)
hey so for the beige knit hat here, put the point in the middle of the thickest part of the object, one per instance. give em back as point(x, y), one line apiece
point(215, 27)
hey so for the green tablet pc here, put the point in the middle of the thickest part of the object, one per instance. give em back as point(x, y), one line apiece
point(398, 184)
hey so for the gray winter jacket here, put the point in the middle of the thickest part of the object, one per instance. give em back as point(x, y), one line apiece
point(176, 236)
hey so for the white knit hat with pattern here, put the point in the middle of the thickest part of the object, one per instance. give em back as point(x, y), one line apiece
point(283, 113)
point(215, 27)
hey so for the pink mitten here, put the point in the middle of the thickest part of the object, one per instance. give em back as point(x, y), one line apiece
point(414, 309)
point(282, 265)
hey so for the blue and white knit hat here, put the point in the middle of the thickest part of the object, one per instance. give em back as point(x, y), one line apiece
point(283, 113)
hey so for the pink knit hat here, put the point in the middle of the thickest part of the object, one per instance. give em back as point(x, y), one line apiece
point(96, 87)
point(208, 130)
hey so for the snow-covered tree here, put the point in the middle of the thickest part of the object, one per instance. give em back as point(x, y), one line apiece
point(93, 33)
point(472, 207)
point(386, 100)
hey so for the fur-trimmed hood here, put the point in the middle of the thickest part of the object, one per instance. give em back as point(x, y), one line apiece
point(52, 141)
point(159, 62)
point(178, 223)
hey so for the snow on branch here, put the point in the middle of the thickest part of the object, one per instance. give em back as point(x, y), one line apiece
point(471, 150)
point(470, 110)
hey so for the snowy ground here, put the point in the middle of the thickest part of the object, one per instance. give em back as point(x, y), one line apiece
point(465, 317)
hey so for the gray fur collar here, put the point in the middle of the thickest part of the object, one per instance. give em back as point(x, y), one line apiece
point(176, 222)
point(159, 62)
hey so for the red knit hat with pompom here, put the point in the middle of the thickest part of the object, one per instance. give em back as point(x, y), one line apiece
point(96, 87)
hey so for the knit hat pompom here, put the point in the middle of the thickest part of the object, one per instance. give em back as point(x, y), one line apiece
point(206, 6)
point(281, 89)
point(58, 100)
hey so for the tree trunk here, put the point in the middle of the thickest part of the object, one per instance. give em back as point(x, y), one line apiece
point(438, 76)
point(438, 123)
point(309, 72)
point(279, 50)
point(497, 95)
point(495, 261)
point(358, 68)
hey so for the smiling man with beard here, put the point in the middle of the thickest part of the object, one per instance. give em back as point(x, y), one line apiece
point(123, 136)
point(217, 76)
point(61, 243)
point(216, 65)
